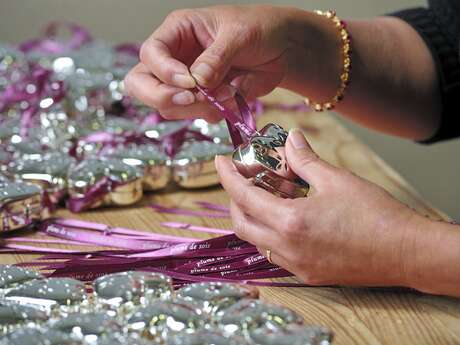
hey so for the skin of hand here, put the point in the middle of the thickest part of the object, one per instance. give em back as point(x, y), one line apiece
point(348, 231)
point(394, 83)
point(252, 48)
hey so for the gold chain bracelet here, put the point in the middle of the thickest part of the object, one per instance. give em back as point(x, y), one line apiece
point(346, 71)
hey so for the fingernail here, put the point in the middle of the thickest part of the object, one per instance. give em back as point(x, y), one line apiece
point(202, 72)
point(225, 93)
point(200, 97)
point(298, 139)
point(183, 98)
point(124, 89)
point(217, 160)
point(184, 81)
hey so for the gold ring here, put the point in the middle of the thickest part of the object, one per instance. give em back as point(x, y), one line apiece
point(268, 255)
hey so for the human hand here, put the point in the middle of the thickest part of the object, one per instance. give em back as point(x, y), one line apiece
point(252, 48)
point(348, 231)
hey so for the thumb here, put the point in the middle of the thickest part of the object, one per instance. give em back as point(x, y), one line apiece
point(305, 163)
point(211, 67)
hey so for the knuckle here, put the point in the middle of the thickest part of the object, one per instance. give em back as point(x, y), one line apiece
point(144, 51)
point(240, 197)
point(293, 223)
point(178, 14)
point(239, 227)
point(246, 32)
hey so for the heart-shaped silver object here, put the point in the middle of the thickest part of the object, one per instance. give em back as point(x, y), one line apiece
point(39, 336)
point(124, 291)
point(209, 336)
point(89, 326)
point(263, 158)
point(49, 171)
point(12, 276)
point(150, 159)
point(164, 318)
point(21, 204)
point(126, 180)
point(52, 294)
point(250, 314)
point(217, 131)
point(193, 166)
point(214, 297)
point(13, 316)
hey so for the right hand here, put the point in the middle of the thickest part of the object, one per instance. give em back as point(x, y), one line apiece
point(252, 48)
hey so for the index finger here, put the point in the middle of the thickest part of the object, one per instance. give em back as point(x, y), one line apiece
point(157, 54)
point(254, 201)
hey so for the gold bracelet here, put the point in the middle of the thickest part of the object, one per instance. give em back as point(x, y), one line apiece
point(346, 71)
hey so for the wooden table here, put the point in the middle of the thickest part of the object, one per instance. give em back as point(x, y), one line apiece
point(357, 316)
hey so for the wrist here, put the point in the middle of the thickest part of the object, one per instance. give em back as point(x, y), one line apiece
point(413, 238)
point(314, 56)
point(433, 266)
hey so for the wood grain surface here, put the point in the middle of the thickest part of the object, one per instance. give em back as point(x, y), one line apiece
point(356, 315)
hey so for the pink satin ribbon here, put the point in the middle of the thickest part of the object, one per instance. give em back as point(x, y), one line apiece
point(48, 44)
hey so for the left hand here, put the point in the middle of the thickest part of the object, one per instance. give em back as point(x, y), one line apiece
point(348, 231)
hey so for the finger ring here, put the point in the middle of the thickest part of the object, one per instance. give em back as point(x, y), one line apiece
point(268, 255)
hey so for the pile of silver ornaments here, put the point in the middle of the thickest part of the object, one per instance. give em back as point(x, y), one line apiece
point(53, 103)
point(142, 308)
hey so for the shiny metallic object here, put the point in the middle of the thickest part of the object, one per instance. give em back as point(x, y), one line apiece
point(38, 336)
point(208, 336)
point(127, 179)
point(89, 327)
point(148, 158)
point(14, 316)
point(13, 276)
point(193, 166)
point(263, 159)
point(123, 292)
point(247, 315)
point(49, 172)
point(165, 318)
point(217, 131)
point(51, 295)
point(214, 297)
point(21, 204)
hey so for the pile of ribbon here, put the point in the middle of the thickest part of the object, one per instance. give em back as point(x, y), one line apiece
point(224, 258)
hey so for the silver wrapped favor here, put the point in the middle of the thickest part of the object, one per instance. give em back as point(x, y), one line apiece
point(217, 131)
point(90, 328)
point(150, 159)
point(39, 336)
point(21, 204)
point(49, 171)
point(204, 337)
point(60, 295)
point(14, 316)
point(124, 182)
point(122, 292)
point(213, 297)
point(263, 158)
point(193, 166)
point(248, 314)
point(13, 276)
point(165, 318)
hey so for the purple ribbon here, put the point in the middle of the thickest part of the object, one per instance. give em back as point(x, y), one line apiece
point(241, 126)
point(48, 44)
point(95, 193)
